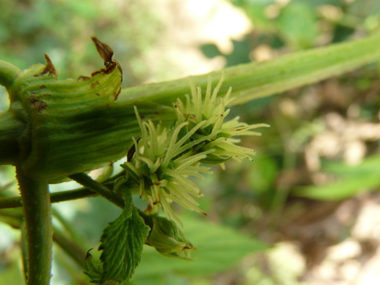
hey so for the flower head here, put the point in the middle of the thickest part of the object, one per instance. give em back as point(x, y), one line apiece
point(161, 166)
point(215, 131)
point(165, 158)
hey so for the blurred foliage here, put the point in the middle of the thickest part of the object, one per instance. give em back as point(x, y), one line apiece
point(61, 28)
point(260, 199)
point(218, 248)
point(351, 180)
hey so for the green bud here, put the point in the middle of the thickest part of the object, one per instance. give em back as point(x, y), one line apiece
point(166, 237)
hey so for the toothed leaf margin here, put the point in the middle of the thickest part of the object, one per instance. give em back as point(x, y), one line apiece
point(122, 244)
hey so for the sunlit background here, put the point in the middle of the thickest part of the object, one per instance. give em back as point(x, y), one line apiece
point(310, 193)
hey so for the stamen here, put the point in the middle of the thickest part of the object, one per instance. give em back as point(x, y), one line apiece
point(170, 155)
point(207, 97)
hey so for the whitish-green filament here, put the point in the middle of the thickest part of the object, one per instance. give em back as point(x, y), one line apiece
point(172, 146)
point(198, 103)
point(192, 160)
point(209, 110)
point(142, 128)
point(153, 139)
point(207, 96)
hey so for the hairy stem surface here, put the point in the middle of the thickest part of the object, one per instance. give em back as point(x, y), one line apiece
point(39, 231)
point(259, 79)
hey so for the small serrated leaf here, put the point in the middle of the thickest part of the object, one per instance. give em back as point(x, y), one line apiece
point(122, 244)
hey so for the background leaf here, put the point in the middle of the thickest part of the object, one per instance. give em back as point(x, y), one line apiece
point(351, 181)
point(298, 24)
point(218, 248)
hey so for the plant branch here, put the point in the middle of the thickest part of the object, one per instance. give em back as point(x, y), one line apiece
point(254, 80)
point(72, 195)
point(97, 187)
point(112, 124)
point(15, 202)
point(39, 232)
point(8, 73)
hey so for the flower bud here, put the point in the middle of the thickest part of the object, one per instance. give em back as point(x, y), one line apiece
point(167, 238)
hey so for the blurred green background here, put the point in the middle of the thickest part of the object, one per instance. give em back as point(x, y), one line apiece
point(310, 193)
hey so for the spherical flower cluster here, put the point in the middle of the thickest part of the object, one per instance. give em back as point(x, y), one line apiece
point(209, 114)
point(165, 158)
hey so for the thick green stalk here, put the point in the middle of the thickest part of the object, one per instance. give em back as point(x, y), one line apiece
point(39, 232)
point(8, 73)
point(73, 126)
point(10, 130)
point(255, 80)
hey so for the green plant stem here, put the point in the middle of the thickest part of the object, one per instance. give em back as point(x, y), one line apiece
point(8, 73)
point(15, 202)
point(58, 145)
point(12, 220)
point(103, 191)
point(10, 130)
point(39, 232)
point(72, 248)
point(72, 195)
point(63, 196)
point(24, 249)
point(255, 80)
